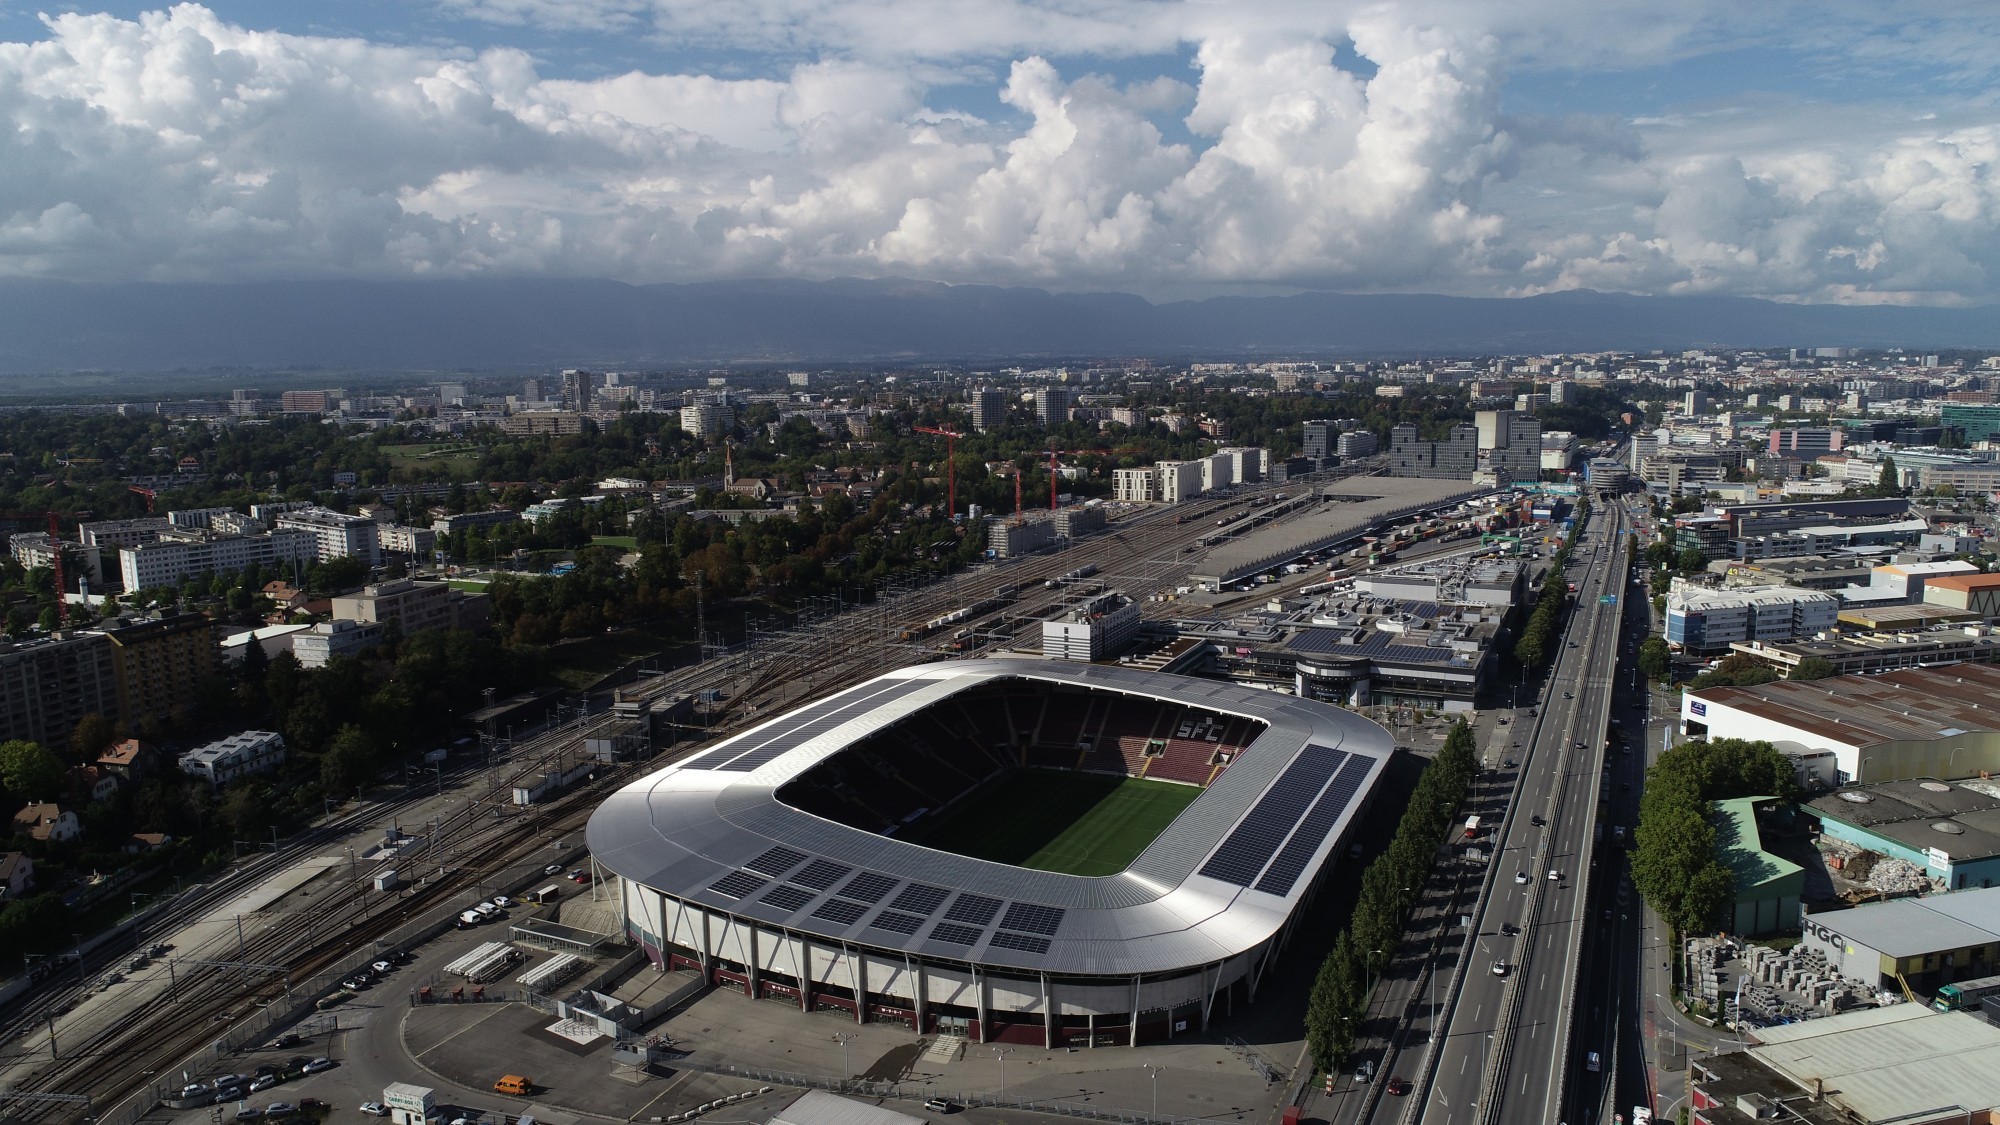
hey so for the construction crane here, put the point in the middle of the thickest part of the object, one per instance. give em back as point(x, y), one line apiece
point(55, 552)
point(145, 493)
point(950, 466)
point(1074, 453)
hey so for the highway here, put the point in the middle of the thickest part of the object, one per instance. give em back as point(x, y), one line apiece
point(1508, 1052)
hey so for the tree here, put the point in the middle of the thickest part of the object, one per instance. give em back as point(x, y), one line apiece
point(1654, 658)
point(349, 759)
point(1812, 668)
point(93, 735)
point(30, 771)
point(1888, 482)
point(1691, 559)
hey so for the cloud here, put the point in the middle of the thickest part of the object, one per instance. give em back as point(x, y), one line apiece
point(180, 146)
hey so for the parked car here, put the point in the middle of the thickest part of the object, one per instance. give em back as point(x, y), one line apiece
point(288, 1039)
point(579, 876)
point(280, 1109)
point(502, 901)
point(382, 968)
point(471, 918)
point(308, 1105)
point(314, 1066)
point(487, 909)
point(374, 1109)
point(355, 983)
point(553, 869)
point(249, 1113)
point(265, 1082)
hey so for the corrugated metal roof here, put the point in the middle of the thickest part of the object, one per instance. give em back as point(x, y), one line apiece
point(686, 829)
point(1903, 1062)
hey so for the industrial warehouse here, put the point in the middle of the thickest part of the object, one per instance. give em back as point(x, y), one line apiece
point(930, 848)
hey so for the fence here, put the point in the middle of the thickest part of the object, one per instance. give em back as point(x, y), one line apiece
point(919, 1092)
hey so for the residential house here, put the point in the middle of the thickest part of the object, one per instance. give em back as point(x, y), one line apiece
point(130, 761)
point(47, 822)
point(17, 875)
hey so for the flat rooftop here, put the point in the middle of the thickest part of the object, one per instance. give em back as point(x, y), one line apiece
point(1903, 1062)
point(1909, 704)
point(1356, 504)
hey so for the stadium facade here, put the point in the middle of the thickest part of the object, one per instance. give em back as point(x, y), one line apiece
point(779, 863)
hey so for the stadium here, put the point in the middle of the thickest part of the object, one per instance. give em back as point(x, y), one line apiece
point(1013, 851)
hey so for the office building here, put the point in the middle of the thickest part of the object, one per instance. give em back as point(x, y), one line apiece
point(1808, 442)
point(1510, 442)
point(414, 606)
point(1974, 423)
point(243, 754)
point(1455, 458)
point(578, 388)
point(1320, 438)
point(1695, 403)
point(1098, 628)
point(1178, 481)
point(306, 402)
point(1357, 443)
point(542, 423)
point(989, 408)
point(1701, 621)
point(337, 535)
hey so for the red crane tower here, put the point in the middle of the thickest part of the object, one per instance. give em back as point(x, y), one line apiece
point(1073, 452)
point(950, 466)
point(55, 550)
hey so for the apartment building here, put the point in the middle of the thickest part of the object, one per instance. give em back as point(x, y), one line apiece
point(157, 665)
point(1136, 486)
point(1052, 405)
point(414, 606)
point(336, 535)
point(398, 539)
point(542, 423)
point(989, 408)
point(1455, 458)
point(179, 554)
point(466, 521)
point(47, 686)
point(1320, 438)
point(240, 755)
point(1178, 481)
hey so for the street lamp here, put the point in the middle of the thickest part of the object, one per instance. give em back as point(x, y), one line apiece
point(843, 1038)
point(1001, 1054)
point(1154, 1070)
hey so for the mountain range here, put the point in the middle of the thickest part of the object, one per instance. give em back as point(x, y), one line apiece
point(50, 327)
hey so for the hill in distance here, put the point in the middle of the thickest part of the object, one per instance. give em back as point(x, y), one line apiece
point(531, 324)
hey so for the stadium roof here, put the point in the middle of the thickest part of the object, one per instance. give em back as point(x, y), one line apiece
point(1359, 503)
point(1224, 876)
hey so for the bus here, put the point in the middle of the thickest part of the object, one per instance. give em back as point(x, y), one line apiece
point(1472, 828)
point(1965, 994)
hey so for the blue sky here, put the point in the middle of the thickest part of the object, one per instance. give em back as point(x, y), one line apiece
point(1825, 151)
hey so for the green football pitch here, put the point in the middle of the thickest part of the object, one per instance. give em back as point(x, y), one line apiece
point(1057, 820)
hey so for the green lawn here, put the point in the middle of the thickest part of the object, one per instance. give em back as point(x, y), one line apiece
point(629, 542)
point(1056, 820)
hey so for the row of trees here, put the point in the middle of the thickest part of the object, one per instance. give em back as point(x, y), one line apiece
point(1674, 865)
point(1538, 636)
point(1389, 888)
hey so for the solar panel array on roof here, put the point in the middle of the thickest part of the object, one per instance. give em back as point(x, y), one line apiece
point(813, 721)
point(738, 884)
point(896, 922)
point(920, 898)
point(786, 897)
point(957, 934)
point(869, 887)
point(1298, 851)
point(777, 861)
point(821, 874)
point(1022, 942)
point(969, 907)
point(1258, 835)
point(840, 910)
point(1031, 918)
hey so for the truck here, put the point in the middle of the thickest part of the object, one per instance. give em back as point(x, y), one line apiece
point(1965, 994)
point(1472, 828)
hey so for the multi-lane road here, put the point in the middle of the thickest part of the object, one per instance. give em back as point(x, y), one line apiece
point(1510, 1049)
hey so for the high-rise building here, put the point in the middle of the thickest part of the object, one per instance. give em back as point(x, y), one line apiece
point(1357, 443)
point(1695, 403)
point(1510, 442)
point(1319, 438)
point(989, 408)
point(159, 665)
point(1455, 458)
point(304, 402)
point(47, 686)
point(1052, 405)
point(1808, 442)
point(578, 388)
point(337, 535)
point(1975, 423)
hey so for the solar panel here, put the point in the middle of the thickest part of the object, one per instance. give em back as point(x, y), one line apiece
point(867, 887)
point(1257, 836)
point(1032, 918)
point(969, 907)
point(821, 874)
point(738, 884)
point(919, 898)
point(788, 897)
point(1022, 942)
point(896, 922)
point(840, 910)
point(777, 861)
point(816, 725)
point(957, 934)
point(1298, 851)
